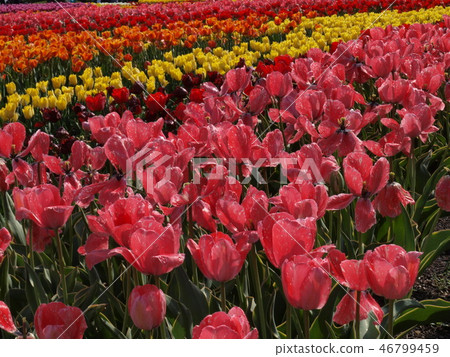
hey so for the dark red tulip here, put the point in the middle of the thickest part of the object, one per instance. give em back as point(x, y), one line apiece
point(306, 283)
point(220, 325)
point(43, 205)
point(391, 271)
point(6, 320)
point(218, 257)
point(147, 306)
point(346, 309)
point(442, 193)
point(56, 320)
point(5, 240)
point(96, 103)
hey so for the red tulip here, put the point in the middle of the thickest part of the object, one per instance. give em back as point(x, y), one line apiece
point(339, 129)
point(96, 103)
point(306, 283)
point(442, 193)
point(218, 257)
point(278, 84)
point(282, 236)
point(56, 320)
point(346, 309)
point(156, 102)
point(391, 271)
point(5, 239)
point(120, 95)
point(12, 137)
point(220, 325)
point(43, 205)
point(391, 198)
point(147, 306)
point(6, 320)
point(363, 180)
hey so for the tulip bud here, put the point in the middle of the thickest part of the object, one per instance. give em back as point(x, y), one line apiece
point(11, 87)
point(73, 80)
point(28, 112)
point(443, 193)
point(147, 306)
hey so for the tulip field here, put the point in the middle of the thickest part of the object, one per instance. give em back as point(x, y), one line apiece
point(224, 169)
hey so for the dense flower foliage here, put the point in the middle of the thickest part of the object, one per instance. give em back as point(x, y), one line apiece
point(208, 169)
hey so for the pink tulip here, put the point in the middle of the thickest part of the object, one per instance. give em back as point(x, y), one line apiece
point(442, 193)
point(220, 325)
point(218, 257)
point(391, 271)
point(147, 306)
point(306, 283)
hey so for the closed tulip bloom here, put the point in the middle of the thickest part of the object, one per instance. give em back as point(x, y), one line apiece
point(443, 193)
point(220, 325)
point(391, 271)
point(282, 236)
point(43, 205)
point(147, 306)
point(306, 283)
point(218, 257)
point(56, 320)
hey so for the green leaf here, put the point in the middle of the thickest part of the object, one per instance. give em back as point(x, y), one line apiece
point(15, 228)
point(319, 327)
point(35, 292)
point(432, 311)
point(433, 246)
point(405, 231)
point(107, 329)
point(191, 296)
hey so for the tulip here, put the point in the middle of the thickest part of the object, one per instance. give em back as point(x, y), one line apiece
point(6, 320)
point(147, 306)
point(5, 240)
point(56, 320)
point(346, 309)
point(218, 257)
point(391, 198)
point(442, 193)
point(306, 283)
point(220, 325)
point(391, 271)
point(43, 205)
point(283, 237)
point(96, 103)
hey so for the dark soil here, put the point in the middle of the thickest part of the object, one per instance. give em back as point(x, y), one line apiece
point(432, 284)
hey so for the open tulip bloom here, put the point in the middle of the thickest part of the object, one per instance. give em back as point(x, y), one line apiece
point(223, 169)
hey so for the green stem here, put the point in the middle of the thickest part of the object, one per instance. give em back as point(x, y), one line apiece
point(223, 296)
point(61, 266)
point(257, 286)
point(391, 319)
point(162, 327)
point(288, 320)
point(30, 233)
point(360, 244)
point(358, 314)
point(127, 295)
point(306, 323)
